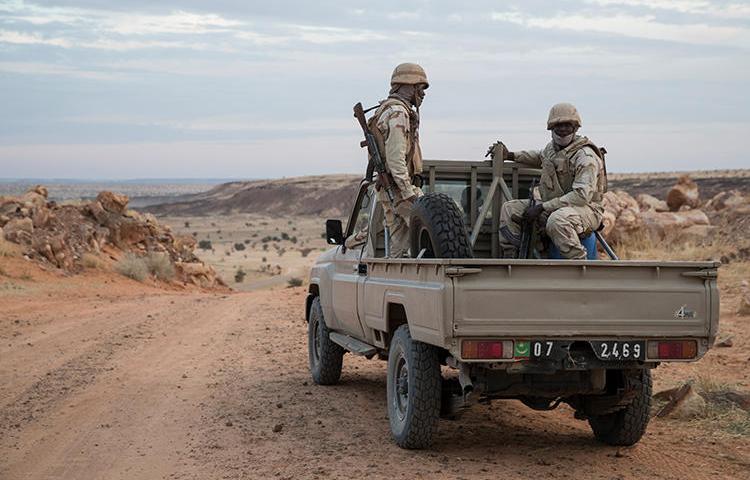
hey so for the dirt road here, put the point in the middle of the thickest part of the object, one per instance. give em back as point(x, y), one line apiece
point(121, 381)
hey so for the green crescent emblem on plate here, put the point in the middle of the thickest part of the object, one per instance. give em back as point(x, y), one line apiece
point(521, 349)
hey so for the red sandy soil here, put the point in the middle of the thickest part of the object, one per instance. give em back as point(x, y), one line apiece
point(105, 378)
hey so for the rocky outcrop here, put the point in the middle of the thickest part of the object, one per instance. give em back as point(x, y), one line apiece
point(626, 217)
point(684, 193)
point(60, 235)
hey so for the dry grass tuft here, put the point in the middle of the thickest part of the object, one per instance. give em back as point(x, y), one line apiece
point(8, 249)
point(90, 260)
point(132, 266)
point(160, 266)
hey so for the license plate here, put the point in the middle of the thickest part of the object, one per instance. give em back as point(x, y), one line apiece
point(619, 350)
point(544, 349)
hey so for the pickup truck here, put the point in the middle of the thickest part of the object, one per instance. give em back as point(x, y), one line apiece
point(455, 331)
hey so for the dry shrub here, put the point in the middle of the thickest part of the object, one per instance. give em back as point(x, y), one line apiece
point(90, 260)
point(294, 282)
point(160, 266)
point(132, 266)
point(8, 249)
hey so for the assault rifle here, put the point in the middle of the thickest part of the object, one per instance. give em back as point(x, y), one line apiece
point(385, 181)
point(527, 227)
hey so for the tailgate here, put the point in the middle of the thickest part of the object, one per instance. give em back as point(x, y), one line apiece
point(578, 298)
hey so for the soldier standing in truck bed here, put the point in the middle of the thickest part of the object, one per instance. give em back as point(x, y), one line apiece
point(574, 180)
point(395, 126)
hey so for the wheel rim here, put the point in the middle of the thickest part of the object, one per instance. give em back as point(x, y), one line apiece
point(425, 242)
point(316, 342)
point(401, 390)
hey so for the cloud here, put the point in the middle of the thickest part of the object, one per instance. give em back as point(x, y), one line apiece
point(23, 38)
point(696, 7)
point(173, 23)
point(36, 68)
point(645, 27)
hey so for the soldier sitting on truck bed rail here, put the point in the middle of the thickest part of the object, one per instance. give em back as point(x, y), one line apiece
point(572, 186)
point(395, 126)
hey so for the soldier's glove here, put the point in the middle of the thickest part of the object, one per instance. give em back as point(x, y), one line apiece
point(498, 147)
point(533, 212)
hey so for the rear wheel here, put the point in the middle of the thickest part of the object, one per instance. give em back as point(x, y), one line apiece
point(625, 427)
point(413, 390)
point(437, 227)
point(325, 356)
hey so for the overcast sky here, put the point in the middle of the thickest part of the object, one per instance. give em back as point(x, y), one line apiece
point(128, 89)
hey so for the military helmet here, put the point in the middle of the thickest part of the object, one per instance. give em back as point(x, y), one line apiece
point(561, 113)
point(409, 74)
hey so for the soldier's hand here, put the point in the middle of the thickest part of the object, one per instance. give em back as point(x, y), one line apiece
point(495, 149)
point(533, 212)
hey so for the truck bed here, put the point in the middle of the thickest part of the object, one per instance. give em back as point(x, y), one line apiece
point(455, 298)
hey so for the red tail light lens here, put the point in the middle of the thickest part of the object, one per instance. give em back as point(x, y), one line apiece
point(486, 349)
point(672, 349)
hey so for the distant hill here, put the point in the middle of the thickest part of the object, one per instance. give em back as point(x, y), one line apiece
point(311, 195)
point(332, 194)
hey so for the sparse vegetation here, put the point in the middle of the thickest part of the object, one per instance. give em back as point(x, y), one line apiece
point(187, 224)
point(8, 249)
point(160, 266)
point(305, 251)
point(284, 236)
point(239, 246)
point(294, 282)
point(239, 275)
point(90, 260)
point(132, 266)
point(139, 268)
point(205, 245)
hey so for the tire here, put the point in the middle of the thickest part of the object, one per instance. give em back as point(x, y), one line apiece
point(413, 391)
point(626, 427)
point(326, 357)
point(436, 224)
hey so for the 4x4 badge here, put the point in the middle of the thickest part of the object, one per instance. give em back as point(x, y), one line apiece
point(684, 312)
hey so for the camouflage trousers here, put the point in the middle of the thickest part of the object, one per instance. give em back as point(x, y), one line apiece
point(397, 221)
point(563, 227)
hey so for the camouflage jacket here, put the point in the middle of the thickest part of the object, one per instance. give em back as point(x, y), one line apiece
point(573, 176)
point(397, 133)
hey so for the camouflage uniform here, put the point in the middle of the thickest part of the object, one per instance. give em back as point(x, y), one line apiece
point(397, 132)
point(572, 187)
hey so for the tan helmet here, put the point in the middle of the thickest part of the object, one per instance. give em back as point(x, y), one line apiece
point(563, 112)
point(409, 74)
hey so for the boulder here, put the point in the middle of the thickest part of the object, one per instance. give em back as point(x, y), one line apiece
point(649, 202)
point(684, 192)
point(19, 230)
point(113, 202)
point(695, 233)
point(41, 217)
point(32, 200)
point(731, 199)
point(41, 190)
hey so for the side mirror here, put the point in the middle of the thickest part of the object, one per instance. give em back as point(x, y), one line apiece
point(334, 232)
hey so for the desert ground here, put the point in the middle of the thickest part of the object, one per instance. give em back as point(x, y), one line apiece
point(106, 377)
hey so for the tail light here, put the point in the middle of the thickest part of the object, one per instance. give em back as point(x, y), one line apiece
point(672, 349)
point(486, 349)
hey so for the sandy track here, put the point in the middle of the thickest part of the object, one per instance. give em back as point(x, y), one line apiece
point(108, 384)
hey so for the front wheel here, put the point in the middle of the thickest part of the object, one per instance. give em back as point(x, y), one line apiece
point(326, 357)
point(413, 390)
point(625, 427)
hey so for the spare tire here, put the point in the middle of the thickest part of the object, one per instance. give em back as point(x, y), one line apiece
point(437, 226)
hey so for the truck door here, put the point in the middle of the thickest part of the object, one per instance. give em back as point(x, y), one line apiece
point(346, 261)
